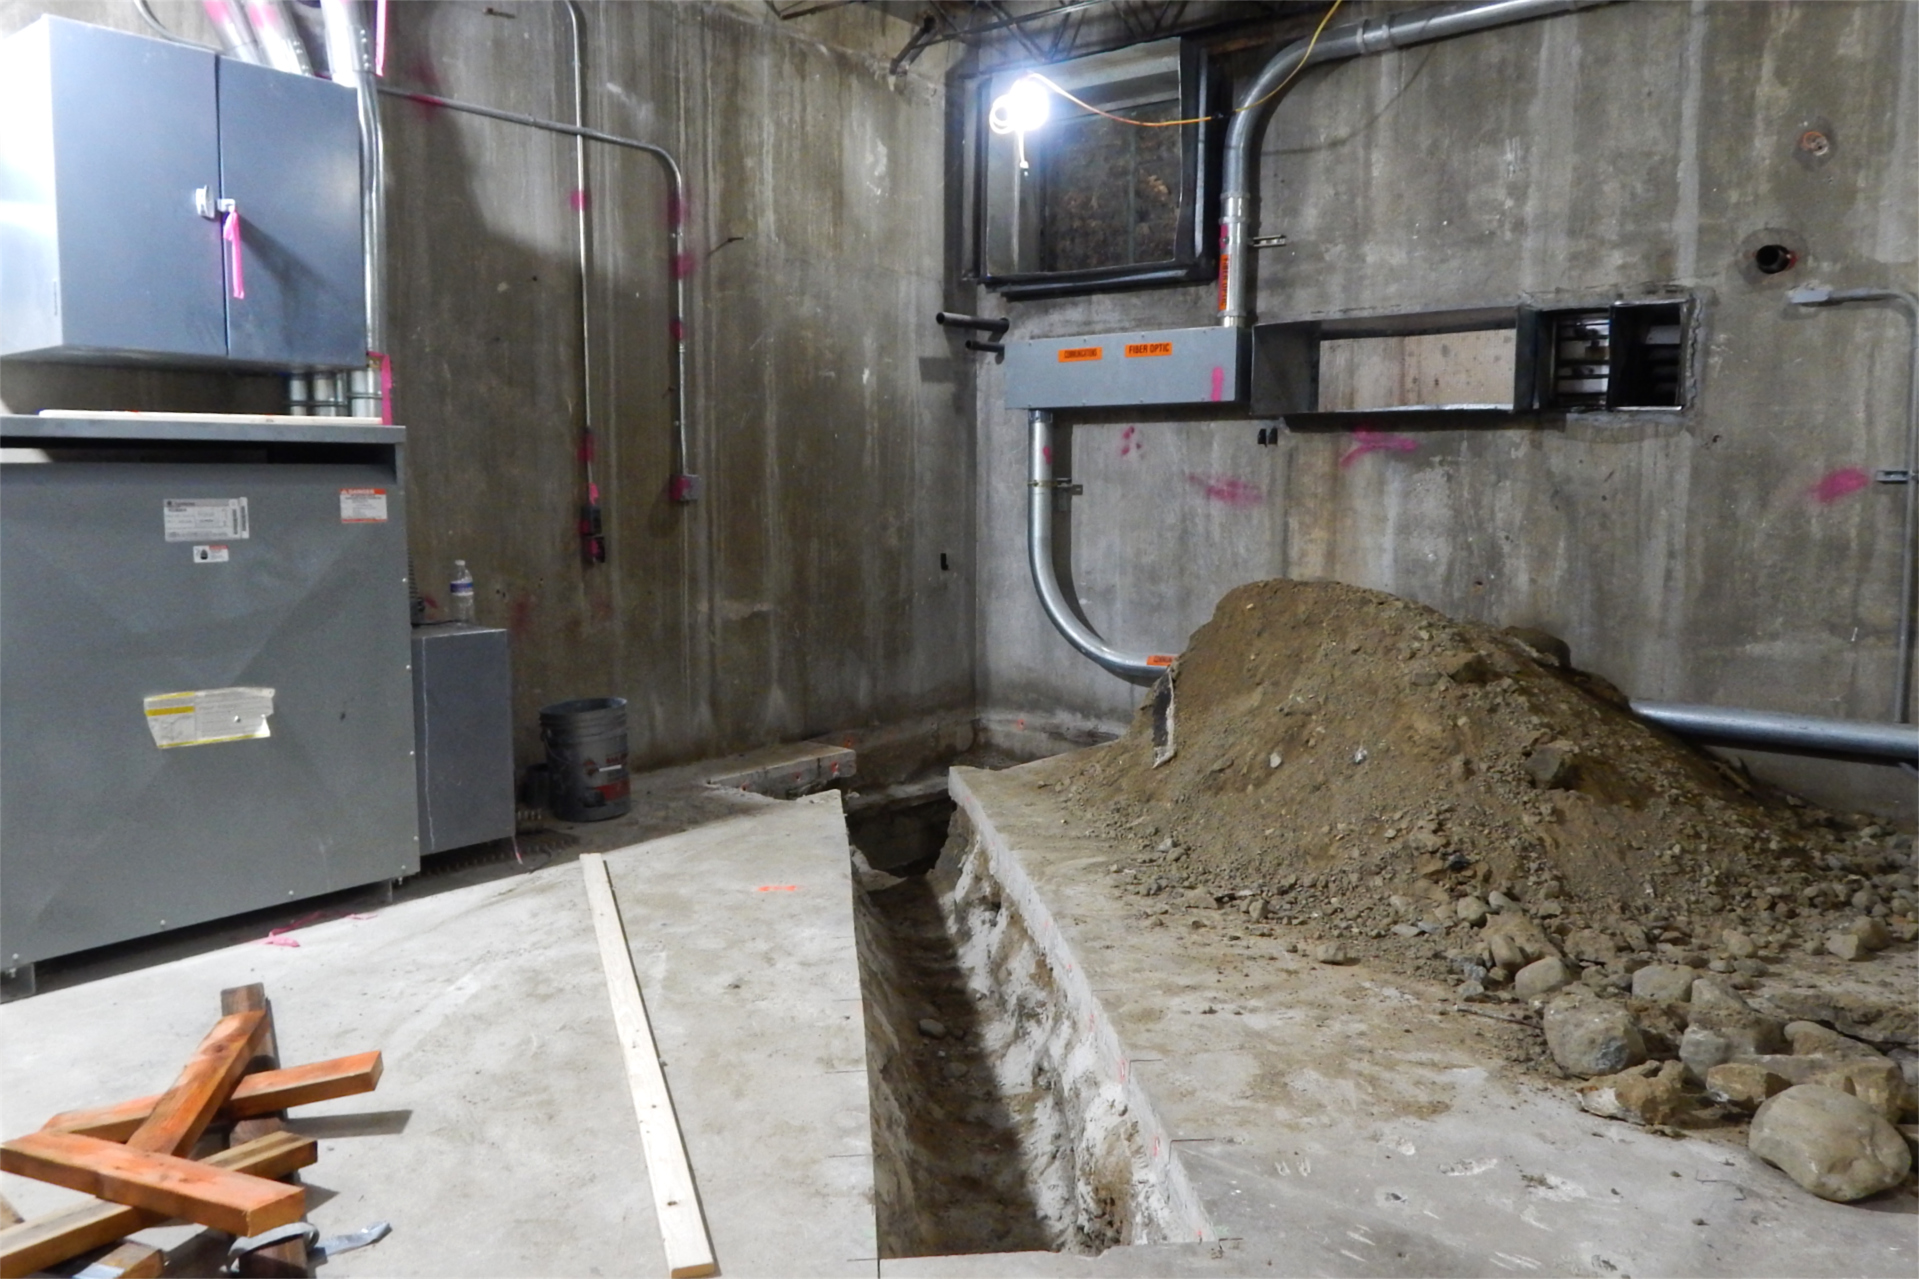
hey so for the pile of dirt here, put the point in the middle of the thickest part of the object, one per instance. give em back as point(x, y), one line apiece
point(1380, 774)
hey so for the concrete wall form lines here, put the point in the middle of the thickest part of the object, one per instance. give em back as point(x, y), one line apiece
point(1724, 555)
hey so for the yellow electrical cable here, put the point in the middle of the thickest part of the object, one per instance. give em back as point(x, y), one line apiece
point(1167, 124)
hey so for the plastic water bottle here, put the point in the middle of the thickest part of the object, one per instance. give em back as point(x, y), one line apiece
point(462, 590)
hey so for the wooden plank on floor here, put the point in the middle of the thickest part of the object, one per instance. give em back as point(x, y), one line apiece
point(261, 1094)
point(288, 1258)
point(184, 1110)
point(126, 1260)
point(689, 1252)
point(213, 1196)
point(47, 1241)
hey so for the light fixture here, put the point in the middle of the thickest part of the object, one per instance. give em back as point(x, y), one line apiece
point(1024, 107)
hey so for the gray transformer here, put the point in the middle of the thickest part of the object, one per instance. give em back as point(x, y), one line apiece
point(148, 565)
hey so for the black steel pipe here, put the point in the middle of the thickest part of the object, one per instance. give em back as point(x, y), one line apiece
point(954, 320)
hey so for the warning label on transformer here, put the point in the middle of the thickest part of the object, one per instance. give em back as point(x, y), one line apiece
point(209, 715)
point(362, 506)
point(205, 519)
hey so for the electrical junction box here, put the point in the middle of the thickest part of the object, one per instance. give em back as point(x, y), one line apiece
point(163, 204)
point(1123, 370)
point(463, 733)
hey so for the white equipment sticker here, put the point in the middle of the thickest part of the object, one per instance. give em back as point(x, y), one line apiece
point(362, 506)
point(209, 715)
point(214, 554)
point(201, 519)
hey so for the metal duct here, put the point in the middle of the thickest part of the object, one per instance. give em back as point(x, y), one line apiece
point(278, 39)
point(1357, 39)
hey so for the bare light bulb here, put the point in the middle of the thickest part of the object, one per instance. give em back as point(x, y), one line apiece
point(1021, 109)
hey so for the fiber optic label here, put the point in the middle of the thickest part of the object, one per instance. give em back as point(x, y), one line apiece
point(362, 506)
point(1135, 350)
point(1074, 354)
point(209, 715)
point(215, 554)
point(205, 519)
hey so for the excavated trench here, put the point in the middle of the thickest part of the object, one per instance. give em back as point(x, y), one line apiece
point(994, 1127)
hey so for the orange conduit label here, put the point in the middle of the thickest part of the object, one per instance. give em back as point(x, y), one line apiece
point(1161, 659)
point(1137, 350)
point(1225, 270)
point(1075, 354)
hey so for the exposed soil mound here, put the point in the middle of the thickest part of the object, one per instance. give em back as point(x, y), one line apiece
point(1359, 764)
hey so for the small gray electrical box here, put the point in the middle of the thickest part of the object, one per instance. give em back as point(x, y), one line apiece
point(1119, 370)
point(463, 727)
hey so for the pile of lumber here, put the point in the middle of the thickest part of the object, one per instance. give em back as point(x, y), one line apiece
point(146, 1163)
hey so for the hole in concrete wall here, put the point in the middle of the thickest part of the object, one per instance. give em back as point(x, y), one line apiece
point(989, 1132)
point(1426, 369)
point(1771, 259)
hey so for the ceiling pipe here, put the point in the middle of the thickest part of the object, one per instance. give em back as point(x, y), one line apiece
point(1909, 536)
point(1353, 40)
point(684, 487)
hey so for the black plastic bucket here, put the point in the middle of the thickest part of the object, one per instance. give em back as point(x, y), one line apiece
point(586, 758)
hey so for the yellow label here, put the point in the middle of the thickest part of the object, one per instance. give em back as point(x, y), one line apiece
point(1134, 350)
point(1074, 354)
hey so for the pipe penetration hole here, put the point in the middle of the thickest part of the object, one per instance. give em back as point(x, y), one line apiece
point(1771, 259)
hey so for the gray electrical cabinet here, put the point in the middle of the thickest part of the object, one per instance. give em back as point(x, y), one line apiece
point(463, 730)
point(206, 705)
point(1123, 370)
point(164, 204)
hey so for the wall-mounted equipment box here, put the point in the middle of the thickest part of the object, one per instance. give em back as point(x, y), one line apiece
point(160, 203)
point(205, 706)
point(1122, 370)
point(463, 729)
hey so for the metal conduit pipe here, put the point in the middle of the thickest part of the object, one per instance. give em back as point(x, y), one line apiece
point(1909, 537)
point(683, 490)
point(1354, 40)
point(1721, 725)
point(577, 22)
point(1795, 734)
point(1039, 546)
point(350, 62)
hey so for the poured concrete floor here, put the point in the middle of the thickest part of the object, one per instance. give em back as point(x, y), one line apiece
point(502, 1139)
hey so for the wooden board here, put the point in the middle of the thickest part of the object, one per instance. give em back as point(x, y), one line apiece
point(47, 1241)
point(689, 1252)
point(262, 1094)
point(125, 1260)
point(184, 1110)
point(288, 1258)
point(231, 1201)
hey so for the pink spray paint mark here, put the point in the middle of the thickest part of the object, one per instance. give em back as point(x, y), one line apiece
point(1126, 440)
point(379, 39)
point(1227, 490)
point(1841, 483)
point(1047, 453)
point(419, 71)
point(677, 328)
point(1365, 442)
point(683, 266)
point(1219, 384)
point(578, 200)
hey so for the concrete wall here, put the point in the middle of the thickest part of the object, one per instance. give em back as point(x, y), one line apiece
point(831, 427)
point(1684, 556)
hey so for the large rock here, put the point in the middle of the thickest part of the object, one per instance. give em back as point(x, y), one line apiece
point(1542, 977)
point(1743, 1084)
point(1810, 1039)
point(1650, 1093)
point(1591, 1037)
point(1667, 983)
point(1514, 940)
point(1871, 933)
point(1879, 1084)
point(1834, 1145)
point(1701, 1049)
point(1590, 946)
point(1717, 993)
point(1661, 1026)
